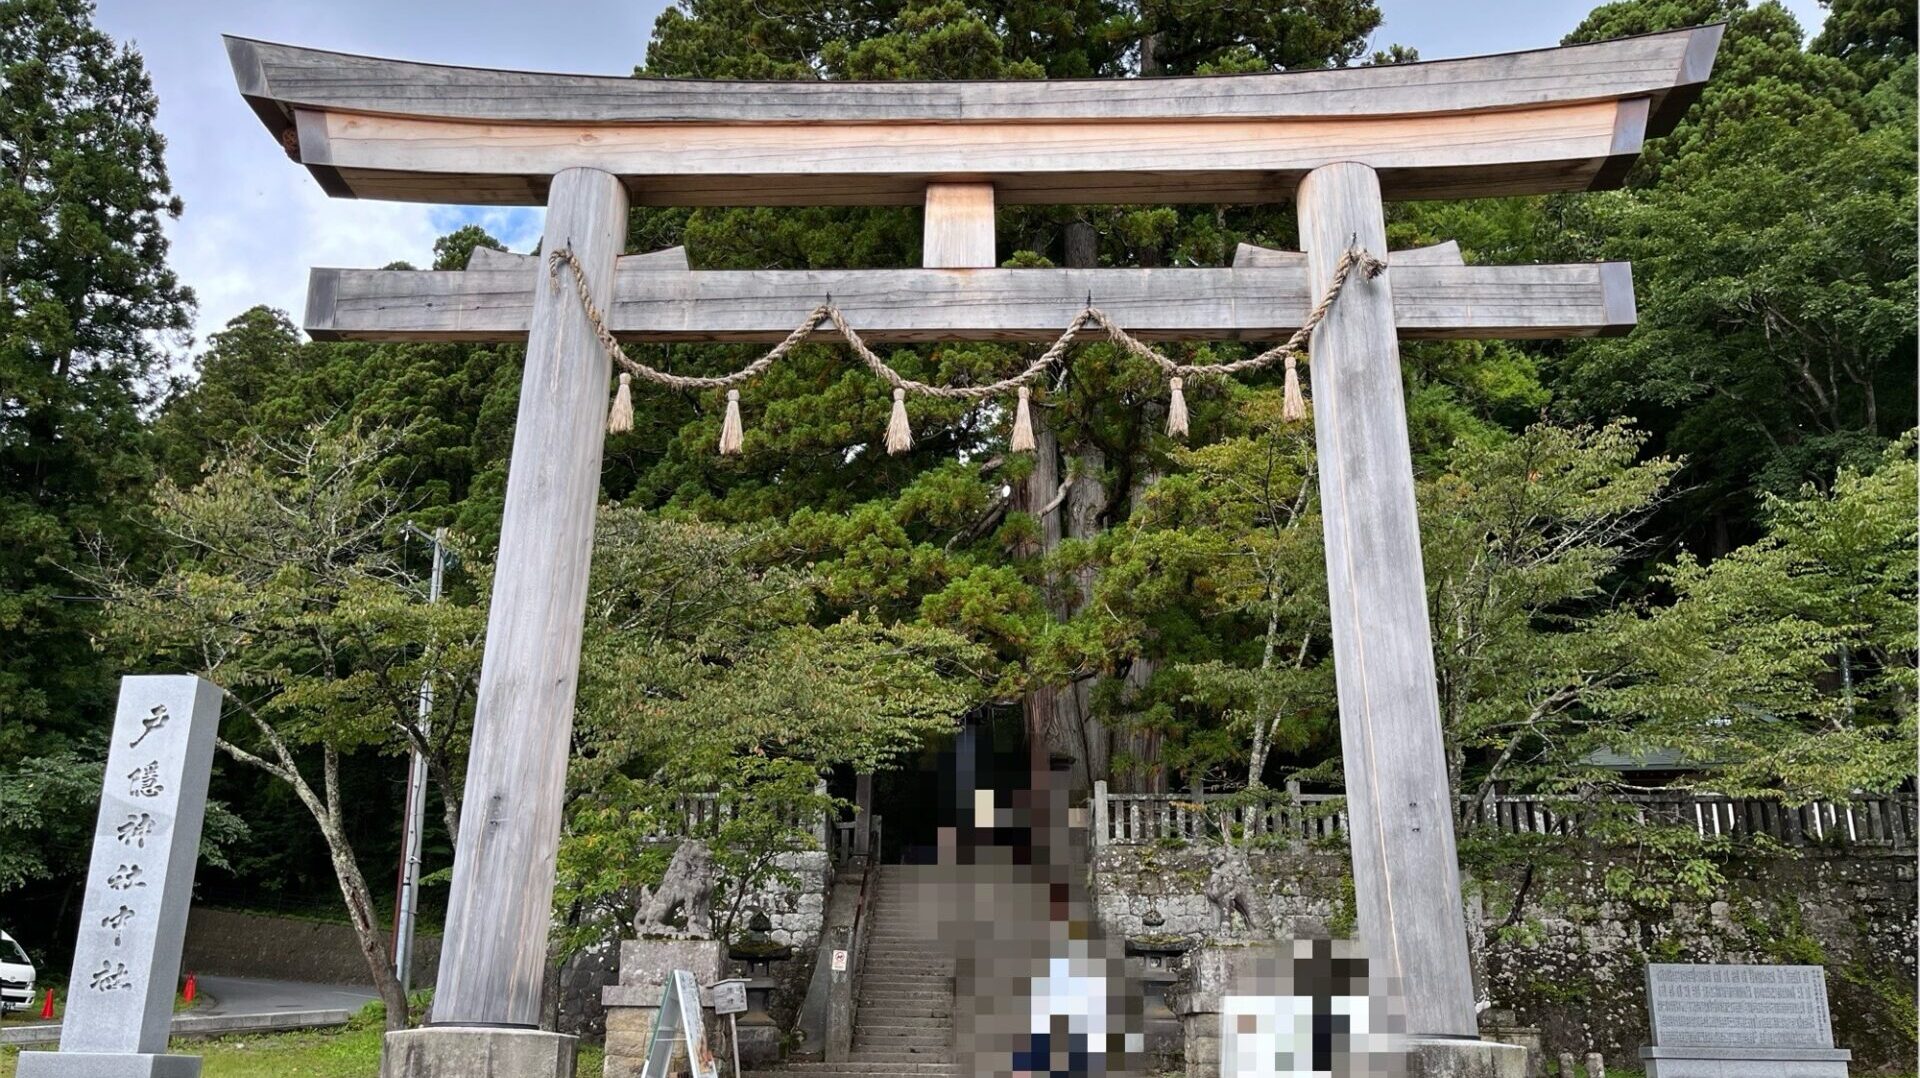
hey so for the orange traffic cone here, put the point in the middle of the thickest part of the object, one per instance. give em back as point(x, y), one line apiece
point(190, 990)
point(46, 1005)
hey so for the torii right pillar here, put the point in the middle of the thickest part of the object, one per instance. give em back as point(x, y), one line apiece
point(1406, 878)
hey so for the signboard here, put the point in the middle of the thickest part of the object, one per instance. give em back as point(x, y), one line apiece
point(1699, 1006)
point(679, 1023)
point(839, 961)
point(730, 996)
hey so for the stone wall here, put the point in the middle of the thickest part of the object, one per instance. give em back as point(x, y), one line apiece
point(236, 944)
point(796, 911)
point(1571, 961)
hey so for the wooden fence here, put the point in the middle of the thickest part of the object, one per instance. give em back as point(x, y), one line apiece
point(703, 814)
point(1884, 821)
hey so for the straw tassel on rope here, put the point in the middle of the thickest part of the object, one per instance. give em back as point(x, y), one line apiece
point(620, 416)
point(731, 434)
point(1022, 440)
point(899, 433)
point(1293, 407)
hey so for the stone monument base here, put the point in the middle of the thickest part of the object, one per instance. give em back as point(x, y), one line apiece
point(632, 1004)
point(476, 1052)
point(1447, 1057)
point(1742, 1062)
point(106, 1065)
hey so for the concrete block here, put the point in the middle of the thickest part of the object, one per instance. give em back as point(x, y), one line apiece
point(106, 1065)
point(476, 1052)
point(1451, 1058)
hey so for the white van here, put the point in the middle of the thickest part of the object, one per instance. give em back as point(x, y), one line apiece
point(16, 975)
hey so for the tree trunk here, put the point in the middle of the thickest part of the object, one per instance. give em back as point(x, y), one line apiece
point(359, 899)
point(331, 819)
point(1036, 493)
point(1081, 733)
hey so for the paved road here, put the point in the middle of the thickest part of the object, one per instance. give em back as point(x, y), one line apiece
point(234, 1003)
point(246, 995)
point(251, 995)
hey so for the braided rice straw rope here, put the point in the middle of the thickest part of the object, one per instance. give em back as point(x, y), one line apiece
point(1291, 350)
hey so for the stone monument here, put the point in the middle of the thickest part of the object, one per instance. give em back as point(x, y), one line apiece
point(146, 843)
point(1740, 1022)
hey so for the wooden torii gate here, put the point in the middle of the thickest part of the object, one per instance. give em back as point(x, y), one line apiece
point(1336, 142)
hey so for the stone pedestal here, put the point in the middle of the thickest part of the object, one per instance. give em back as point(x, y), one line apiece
point(758, 1032)
point(1459, 1058)
point(476, 1052)
point(1503, 1026)
point(1742, 1062)
point(632, 1004)
point(106, 1065)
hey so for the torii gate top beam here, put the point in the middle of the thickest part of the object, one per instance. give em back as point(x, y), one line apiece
point(1559, 119)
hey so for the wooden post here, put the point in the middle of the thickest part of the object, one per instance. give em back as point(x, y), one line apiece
point(958, 231)
point(1100, 819)
point(495, 948)
point(1400, 819)
point(863, 814)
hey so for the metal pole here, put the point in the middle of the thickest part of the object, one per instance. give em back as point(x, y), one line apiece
point(416, 812)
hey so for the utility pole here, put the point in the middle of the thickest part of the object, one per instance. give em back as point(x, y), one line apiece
point(416, 811)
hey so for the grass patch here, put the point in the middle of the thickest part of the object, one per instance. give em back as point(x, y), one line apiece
point(351, 1051)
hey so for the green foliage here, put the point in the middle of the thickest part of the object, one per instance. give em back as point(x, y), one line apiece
point(1771, 236)
point(706, 674)
point(279, 583)
point(1790, 662)
point(87, 308)
point(1520, 539)
point(1659, 866)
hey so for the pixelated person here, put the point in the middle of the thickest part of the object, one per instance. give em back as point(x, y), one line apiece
point(1068, 1028)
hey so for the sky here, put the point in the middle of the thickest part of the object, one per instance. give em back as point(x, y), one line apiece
point(254, 222)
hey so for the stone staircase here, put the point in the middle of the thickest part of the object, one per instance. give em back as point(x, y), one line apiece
point(903, 1025)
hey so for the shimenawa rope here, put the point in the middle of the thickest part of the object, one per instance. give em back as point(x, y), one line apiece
point(899, 433)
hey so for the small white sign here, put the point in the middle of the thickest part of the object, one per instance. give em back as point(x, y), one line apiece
point(839, 961)
point(730, 997)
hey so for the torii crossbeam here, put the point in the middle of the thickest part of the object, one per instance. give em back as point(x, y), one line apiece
point(1336, 143)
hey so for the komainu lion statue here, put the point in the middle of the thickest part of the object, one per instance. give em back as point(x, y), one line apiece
point(688, 887)
point(1230, 888)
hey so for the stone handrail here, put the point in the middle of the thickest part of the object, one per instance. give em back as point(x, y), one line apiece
point(1884, 820)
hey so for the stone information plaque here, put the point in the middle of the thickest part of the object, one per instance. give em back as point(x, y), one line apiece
point(1739, 1006)
point(133, 921)
point(1738, 1021)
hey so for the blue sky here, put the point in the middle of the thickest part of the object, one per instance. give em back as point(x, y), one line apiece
point(254, 222)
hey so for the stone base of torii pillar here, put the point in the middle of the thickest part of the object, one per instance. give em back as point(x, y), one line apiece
point(477, 1052)
point(1429, 1057)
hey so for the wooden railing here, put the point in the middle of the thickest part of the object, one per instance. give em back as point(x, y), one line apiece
point(1890, 820)
point(702, 814)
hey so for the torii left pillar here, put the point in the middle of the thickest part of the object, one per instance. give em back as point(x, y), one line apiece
point(486, 1006)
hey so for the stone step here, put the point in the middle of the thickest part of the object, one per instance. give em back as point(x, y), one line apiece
point(922, 1023)
point(890, 1040)
point(907, 1011)
point(903, 1055)
point(857, 1067)
point(881, 986)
